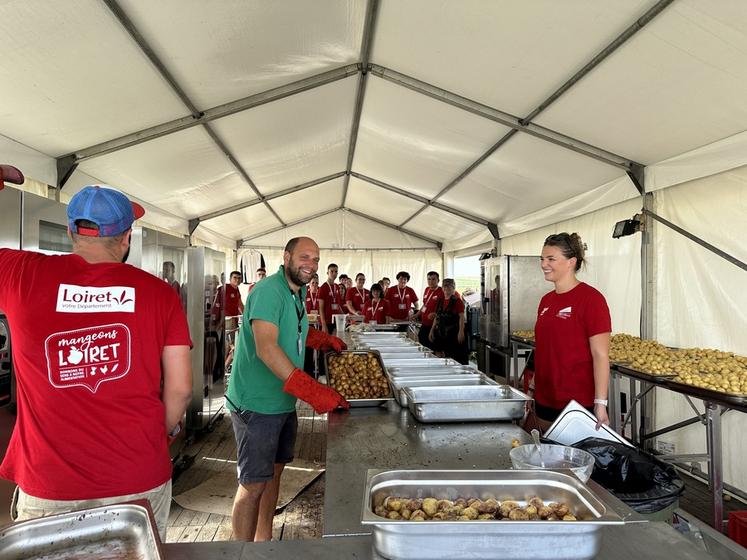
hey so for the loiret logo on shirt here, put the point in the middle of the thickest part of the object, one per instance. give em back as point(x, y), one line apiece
point(543, 311)
point(88, 299)
point(88, 357)
point(565, 313)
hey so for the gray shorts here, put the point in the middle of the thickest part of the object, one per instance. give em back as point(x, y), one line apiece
point(262, 440)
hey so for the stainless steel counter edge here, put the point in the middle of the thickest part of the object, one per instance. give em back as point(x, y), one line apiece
point(639, 541)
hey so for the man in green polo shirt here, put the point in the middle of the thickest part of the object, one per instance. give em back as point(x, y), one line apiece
point(267, 379)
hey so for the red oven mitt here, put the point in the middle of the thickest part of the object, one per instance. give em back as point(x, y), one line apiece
point(322, 398)
point(319, 340)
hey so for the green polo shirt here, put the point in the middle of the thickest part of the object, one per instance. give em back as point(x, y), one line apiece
point(252, 385)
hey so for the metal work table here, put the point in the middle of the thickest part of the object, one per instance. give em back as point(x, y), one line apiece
point(642, 541)
point(390, 438)
point(715, 406)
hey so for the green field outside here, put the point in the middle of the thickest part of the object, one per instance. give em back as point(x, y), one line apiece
point(463, 282)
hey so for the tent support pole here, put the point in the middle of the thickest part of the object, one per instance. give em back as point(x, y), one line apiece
point(66, 166)
point(648, 311)
point(290, 224)
point(692, 237)
point(278, 194)
point(369, 26)
point(393, 226)
point(422, 199)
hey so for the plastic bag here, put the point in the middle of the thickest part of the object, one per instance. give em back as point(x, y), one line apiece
point(635, 477)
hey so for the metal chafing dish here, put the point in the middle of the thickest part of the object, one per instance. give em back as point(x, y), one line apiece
point(505, 540)
point(120, 531)
point(358, 403)
point(390, 356)
point(407, 371)
point(374, 335)
point(387, 343)
point(466, 404)
point(400, 349)
point(423, 362)
point(399, 384)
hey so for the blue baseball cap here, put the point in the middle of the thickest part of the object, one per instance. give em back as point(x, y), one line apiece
point(110, 210)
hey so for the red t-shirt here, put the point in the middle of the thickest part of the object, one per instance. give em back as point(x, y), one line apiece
point(376, 311)
point(563, 364)
point(431, 297)
point(401, 301)
point(87, 344)
point(312, 302)
point(358, 298)
point(332, 298)
point(456, 303)
point(233, 300)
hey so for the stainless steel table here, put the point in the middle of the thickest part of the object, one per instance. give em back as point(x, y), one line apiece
point(390, 438)
point(639, 541)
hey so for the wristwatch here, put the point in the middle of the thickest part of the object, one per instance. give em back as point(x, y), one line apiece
point(603, 402)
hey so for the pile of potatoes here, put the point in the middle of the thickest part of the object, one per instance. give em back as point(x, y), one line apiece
point(472, 509)
point(357, 376)
point(524, 334)
point(701, 367)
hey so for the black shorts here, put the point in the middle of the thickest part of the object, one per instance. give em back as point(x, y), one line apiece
point(262, 440)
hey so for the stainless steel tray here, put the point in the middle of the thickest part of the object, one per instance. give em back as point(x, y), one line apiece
point(400, 384)
point(120, 531)
point(389, 356)
point(507, 540)
point(378, 335)
point(400, 349)
point(359, 403)
point(466, 404)
point(423, 362)
point(407, 371)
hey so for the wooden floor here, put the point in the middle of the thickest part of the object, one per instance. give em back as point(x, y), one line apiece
point(216, 451)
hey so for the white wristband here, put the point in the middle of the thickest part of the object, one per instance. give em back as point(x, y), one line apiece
point(603, 402)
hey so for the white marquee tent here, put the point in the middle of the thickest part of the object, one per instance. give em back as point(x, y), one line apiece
point(400, 134)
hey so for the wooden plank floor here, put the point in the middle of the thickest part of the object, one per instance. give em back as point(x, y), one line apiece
point(216, 451)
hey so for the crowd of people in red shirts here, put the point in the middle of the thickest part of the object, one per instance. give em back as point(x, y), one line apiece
point(440, 311)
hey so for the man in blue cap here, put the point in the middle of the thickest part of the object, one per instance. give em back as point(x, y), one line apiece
point(102, 368)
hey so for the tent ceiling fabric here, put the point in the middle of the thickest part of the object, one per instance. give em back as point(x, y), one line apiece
point(225, 63)
point(676, 84)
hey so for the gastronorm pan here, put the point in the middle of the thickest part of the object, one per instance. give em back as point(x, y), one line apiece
point(398, 349)
point(423, 362)
point(120, 531)
point(401, 383)
point(407, 371)
point(389, 356)
point(466, 404)
point(507, 540)
point(358, 403)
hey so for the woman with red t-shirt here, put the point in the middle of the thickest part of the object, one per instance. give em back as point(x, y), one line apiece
point(357, 296)
point(377, 308)
point(572, 336)
point(401, 297)
point(447, 333)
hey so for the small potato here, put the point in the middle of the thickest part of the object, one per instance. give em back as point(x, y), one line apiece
point(393, 504)
point(506, 507)
point(430, 506)
point(413, 504)
point(394, 515)
point(488, 506)
point(470, 513)
point(485, 516)
point(531, 510)
point(545, 512)
point(405, 513)
point(569, 517)
point(444, 505)
point(381, 511)
point(561, 510)
point(518, 514)
point(515, 443)
point(419, 517)
point(439, 516)
point(536, 502)
point(460, 502)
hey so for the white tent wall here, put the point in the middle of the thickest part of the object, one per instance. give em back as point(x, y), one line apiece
point(701, 300)
point(613, 267)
